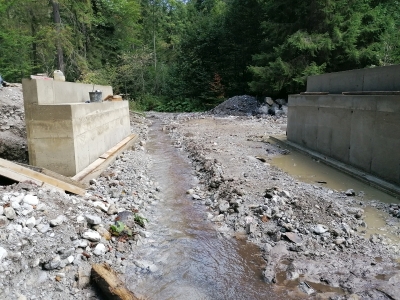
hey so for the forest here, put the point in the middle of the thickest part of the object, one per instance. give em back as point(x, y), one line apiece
point(171, 55)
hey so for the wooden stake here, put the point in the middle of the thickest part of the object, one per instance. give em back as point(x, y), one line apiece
point(108, 282)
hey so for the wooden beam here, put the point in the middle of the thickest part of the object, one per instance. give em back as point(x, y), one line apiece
point(36, 176)
point(17, 176)
point(96, 167)
point(107, 280)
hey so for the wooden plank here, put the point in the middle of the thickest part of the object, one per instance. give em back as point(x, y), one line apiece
point(17, 176)
point(86, 171)
point(55, 175)
point(104, 160)
point(42, 177)
point(107, 280)
point(118, 146)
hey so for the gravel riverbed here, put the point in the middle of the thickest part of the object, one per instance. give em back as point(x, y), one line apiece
point(310, 237)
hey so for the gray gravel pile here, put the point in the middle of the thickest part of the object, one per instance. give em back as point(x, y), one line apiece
point(237, 106)
point(12, 124)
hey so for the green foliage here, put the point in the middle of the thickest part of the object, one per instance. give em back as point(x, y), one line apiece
point(119, 228)
point(172, 55)
point(140, 220)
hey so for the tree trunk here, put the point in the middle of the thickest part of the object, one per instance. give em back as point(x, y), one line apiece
point(57, 22)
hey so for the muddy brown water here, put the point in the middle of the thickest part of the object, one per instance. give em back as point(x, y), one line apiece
point(194, 261)
point(309, 170)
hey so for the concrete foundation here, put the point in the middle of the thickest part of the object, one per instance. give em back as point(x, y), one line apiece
point(64, 133)
point(360, 130)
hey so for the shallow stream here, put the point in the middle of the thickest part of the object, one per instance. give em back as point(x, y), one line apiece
point(193, 261)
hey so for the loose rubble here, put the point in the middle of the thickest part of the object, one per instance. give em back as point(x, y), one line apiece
point(306, 233)
point(302, 230)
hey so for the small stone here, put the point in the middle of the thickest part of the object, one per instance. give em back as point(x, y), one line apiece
point(104, 233)
point(9, 212)
point(196, 197)
point(340, 241)
point(92, 236)
point(43, 228)
point(3, 221)
point(3, 253)
point(190, 191)
point(31, 222)
point(80, 243)
point(53, 264)
point(101, 205)
point(218, 218)
point(1, 210)
point(250, 228)
point(112, 210)
point(32, 200)
point(57, 221)
point(93, 220)
point(70, 259)
point(320, 229)
point(223, 206)
point(100, 249)
point(350, 192)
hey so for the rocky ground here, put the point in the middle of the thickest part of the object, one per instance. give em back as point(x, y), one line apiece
point(309, 236)
point(12, 124)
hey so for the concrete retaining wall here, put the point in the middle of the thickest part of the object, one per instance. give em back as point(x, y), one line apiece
point(360, 130)
point(65, 134)
point(372, 79)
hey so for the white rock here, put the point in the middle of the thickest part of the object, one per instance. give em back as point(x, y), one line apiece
point(3, 253)
point(101, 205)
point(218, 218)
point(15, 205)
point(1, 210)
point(41, 207)
point(80, 219)
point(92, 236)
point(6, 197)
point(93, 220)
point(57, 221)
point(80, 243)
point(32, 200)
point(9, 212)
point(31, 222)
point(26, 209)
point(43, 228)
point(70, 259)
point(100, 249)
point(320, 229)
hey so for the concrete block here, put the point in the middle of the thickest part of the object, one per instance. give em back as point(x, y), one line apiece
point(65, 134)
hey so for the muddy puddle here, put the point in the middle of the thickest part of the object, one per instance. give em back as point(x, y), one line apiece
point(190, 258)
point(309, 170)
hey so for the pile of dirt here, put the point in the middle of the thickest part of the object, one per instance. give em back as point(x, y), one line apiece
point(13, 143)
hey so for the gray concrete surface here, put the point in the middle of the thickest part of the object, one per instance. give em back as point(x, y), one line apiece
point(372, 79)
point(360, 130)
point(65, 134)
